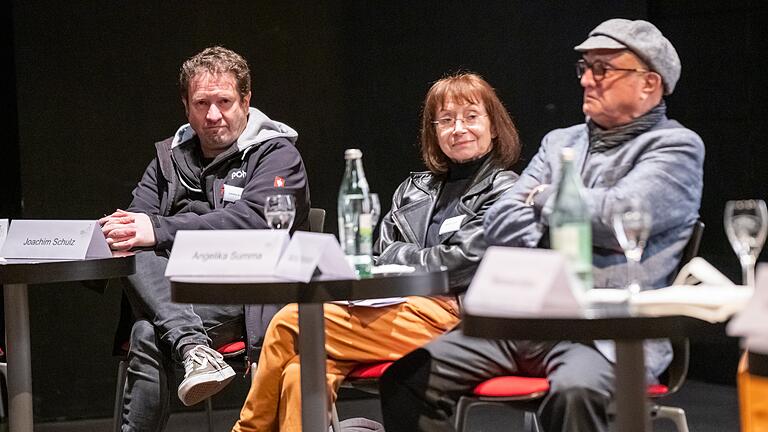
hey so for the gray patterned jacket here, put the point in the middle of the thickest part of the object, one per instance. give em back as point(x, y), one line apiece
point(663, 166)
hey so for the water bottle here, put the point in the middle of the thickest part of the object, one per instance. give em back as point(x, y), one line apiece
point(354, 210)
point(570, 226)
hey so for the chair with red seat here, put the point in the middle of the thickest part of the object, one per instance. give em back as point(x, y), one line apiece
point(364, 377)
point(234, 352)
point(525, 393)
point(504, 390)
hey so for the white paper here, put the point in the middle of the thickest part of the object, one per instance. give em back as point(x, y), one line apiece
point(756, 344)
point(607, 295)
point(55, 239)
point(308, 251)
point(386, 301)
point(713, 303)
point(375, 303)
point(698, 270)
point(226, 252)
point(451, 224)
point(522, 281)
point(392, 268)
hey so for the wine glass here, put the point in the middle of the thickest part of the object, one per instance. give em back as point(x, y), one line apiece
point(746, 224)
point(280, 210)
point(632, 225)
point(375, 209)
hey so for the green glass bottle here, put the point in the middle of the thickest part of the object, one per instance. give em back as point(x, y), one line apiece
point(354, 213)
point(570, 225)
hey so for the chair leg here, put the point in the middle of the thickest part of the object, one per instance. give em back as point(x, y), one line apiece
point(530, 419)
point(209, 413)
point(675, 414)
point(335, 426)
point(462, 411)
point(531, 422)
point(117, 414)
point(4, 373)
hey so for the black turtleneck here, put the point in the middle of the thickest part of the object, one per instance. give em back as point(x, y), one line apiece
point(456, 183)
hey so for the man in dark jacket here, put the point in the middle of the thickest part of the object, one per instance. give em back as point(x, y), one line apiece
point(214, 173)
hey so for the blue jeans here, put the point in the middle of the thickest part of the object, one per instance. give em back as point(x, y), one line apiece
point(158, 336)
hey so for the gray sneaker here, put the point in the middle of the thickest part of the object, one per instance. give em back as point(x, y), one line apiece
point(205, 374)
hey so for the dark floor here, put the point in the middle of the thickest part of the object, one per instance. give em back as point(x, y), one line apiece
point(709, 408)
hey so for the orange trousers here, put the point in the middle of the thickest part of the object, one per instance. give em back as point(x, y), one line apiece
point(353, 335)
point(753, 398)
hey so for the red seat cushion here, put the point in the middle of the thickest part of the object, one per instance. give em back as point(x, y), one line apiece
point(512, 386)
point(657, 390)
point(226, 349)
point(369, 371)
point(516, 386)
point(231, 348)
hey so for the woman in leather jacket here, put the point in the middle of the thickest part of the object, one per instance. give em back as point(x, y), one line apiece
point(469, 142)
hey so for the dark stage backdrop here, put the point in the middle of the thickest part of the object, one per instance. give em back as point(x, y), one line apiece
point(95, 86)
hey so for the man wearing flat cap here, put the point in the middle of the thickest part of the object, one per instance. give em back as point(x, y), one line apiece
point(627, 147)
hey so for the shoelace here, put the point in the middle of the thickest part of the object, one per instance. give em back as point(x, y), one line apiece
point(202, 357)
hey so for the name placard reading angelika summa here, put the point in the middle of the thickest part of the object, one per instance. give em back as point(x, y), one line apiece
point(226, 252)
point(227, 256)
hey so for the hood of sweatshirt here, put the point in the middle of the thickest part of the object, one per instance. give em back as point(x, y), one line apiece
point(259, 129)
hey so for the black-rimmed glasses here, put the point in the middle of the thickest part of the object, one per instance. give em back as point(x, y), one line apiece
point(450, 122)
point(599, 69)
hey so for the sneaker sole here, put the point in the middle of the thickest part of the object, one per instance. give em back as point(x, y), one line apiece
point(201, 387)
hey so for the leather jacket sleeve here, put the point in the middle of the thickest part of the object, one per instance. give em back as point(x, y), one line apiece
point(460, 251)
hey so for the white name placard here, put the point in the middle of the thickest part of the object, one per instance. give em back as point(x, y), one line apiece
point(226, 252)
point(522, 281)
point(55, 239)
point(308, 251)
point(3, 231)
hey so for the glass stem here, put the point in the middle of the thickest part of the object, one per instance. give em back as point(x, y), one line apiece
point(632, 282)
point(747, 270)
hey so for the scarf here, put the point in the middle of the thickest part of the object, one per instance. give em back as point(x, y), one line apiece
point(601, 139)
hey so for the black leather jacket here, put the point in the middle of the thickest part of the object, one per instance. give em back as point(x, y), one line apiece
point(404, 228)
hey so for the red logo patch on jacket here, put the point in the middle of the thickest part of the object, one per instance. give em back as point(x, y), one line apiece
point(279, 182)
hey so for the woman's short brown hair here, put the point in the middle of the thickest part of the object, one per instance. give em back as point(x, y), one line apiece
point(467, 87)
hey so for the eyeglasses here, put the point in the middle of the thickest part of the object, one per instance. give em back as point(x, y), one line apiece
point(599, 69)
point(450, 122)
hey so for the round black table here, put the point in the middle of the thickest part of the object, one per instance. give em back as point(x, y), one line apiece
point(15, 275)
point(627, 330)
point(310, 297)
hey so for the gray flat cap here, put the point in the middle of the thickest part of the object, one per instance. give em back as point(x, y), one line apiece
point(643, 39)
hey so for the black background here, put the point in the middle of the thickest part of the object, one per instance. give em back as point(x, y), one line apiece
point(90, 85)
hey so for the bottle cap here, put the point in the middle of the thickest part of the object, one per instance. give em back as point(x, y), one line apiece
point(352, 154)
